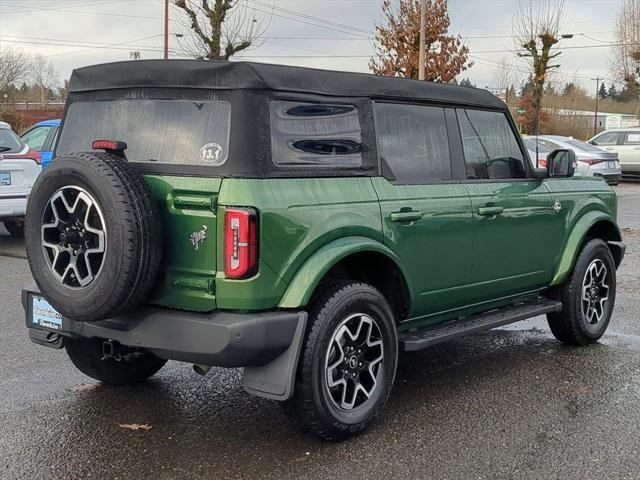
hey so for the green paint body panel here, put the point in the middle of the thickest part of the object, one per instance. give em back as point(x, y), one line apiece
point(314, 269)
point(456, 258)
point(186, 204)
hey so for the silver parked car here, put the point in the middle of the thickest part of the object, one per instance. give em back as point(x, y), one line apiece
point(592, 161)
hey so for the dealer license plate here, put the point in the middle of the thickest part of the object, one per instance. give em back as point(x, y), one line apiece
point(44, 315)
point(5, 178)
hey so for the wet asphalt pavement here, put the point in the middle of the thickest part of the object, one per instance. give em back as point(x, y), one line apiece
point(509, 403)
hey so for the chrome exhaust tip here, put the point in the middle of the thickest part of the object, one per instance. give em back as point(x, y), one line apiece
point(201, 369)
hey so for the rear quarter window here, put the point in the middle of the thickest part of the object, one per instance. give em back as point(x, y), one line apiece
point(9, 142)
point(182, 132)
point(315, 135)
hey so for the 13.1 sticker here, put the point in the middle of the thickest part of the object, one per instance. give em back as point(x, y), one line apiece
point(213, 153)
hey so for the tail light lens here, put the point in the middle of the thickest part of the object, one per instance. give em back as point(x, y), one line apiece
point(591, 161)
point(30, 155)
point(542, 163)
point(240, 243)
point(34, 155)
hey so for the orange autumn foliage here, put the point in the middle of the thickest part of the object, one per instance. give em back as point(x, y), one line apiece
point(398, 42)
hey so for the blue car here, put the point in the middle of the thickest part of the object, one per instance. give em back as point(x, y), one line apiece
point(42, 137)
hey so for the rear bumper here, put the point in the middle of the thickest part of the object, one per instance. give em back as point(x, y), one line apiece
point(610, 178)
point(222, 339)
point(13, 205)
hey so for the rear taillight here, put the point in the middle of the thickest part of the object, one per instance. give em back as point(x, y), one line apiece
point(542, 163)
point(240, 243)
point(34, 155)
point(30, 155)
point(591, 161)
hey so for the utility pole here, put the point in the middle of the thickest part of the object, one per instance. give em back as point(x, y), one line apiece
point(595, 121)
point(423, 33)
point(166, 29)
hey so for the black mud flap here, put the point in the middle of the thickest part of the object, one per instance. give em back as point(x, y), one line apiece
point(276, 380)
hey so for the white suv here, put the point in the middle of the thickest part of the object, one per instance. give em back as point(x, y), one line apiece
point(624, 141)
point(19, 168)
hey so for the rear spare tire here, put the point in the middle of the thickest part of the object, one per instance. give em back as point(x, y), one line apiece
point(93, 236)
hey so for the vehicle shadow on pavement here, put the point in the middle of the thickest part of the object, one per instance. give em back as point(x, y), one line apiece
point(10, 246)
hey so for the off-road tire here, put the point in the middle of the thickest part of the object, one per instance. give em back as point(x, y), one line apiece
point(570, 325)
point(15, 227)
point(133, 233)
point(86, 354)
point(310, 406)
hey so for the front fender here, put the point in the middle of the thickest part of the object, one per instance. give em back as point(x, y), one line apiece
point(315, 268)
point(575, 240)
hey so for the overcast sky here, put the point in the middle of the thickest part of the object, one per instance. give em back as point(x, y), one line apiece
point(74, 33)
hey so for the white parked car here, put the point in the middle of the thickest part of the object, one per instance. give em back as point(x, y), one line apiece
point(19, 168)
point(626, 143)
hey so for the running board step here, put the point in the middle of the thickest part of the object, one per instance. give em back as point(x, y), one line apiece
point(418, 339)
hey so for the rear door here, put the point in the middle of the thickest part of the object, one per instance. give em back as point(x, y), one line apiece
point(426, 214)
point(629, 151)
point(171, 142)
point(516, 231)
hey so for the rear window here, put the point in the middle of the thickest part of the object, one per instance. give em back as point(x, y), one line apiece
point(179, 132)
point(531, 145)
point(577, 144)
point(9, 142)
point(314, 134)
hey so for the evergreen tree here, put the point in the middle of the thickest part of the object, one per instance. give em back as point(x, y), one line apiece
point(613, 92)
point(466, 83)
point(528, 86)
point(569, 89)
point(602, 93)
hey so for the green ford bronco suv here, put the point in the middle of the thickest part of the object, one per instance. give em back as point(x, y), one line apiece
point(306, 225)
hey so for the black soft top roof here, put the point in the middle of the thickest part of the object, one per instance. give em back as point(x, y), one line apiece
point(261, 76)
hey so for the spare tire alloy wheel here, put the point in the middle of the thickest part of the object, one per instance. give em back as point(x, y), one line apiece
point(354, 362)
point(74, 237)
point(93, 236)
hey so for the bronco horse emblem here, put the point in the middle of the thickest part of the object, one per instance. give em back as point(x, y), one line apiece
point(198, 237)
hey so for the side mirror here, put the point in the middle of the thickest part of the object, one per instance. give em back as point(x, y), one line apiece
point(540, 172)
point(593, 142)
point(561, 163)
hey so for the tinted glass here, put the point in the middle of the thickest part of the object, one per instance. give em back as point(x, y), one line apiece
point(491, 150)
point(549, 144)
point(36, 137)
point(163, 131)
point(9, 142)
point(542, 148)
point(413, 142)
point(584, 146)
point(607, 138)
point(632, 138)
point(312, 134)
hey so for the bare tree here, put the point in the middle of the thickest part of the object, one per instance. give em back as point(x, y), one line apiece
point(221, 28)
point(44, 77)
point(625, 60)
point(505, 77)
point(536, 29)
point(13, 66)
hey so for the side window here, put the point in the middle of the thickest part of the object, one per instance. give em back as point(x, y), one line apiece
point(607, 138)
point(314, 134)
point(36, 137)
point(413, 142)
point(632, 138)
point(491, 150)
